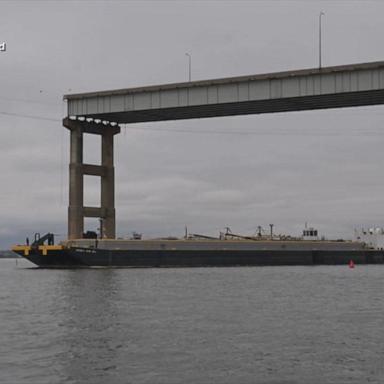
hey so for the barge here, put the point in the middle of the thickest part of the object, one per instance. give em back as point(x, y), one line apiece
point(198, 251)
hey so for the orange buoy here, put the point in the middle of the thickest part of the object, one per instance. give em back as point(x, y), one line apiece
point(351, 264)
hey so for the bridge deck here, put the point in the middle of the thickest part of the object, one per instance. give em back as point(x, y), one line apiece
point(329, 87)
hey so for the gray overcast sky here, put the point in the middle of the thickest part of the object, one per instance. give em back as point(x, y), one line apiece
point(324, 167)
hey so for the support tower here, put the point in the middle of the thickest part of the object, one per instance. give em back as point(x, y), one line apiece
point(77, 169)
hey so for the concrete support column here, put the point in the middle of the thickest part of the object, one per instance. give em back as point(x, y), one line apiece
point(108, 186)
point(76, 185)
point(77, 170)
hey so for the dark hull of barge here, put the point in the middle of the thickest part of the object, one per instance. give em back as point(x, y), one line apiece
point(86, 258)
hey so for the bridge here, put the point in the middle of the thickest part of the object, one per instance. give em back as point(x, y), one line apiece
point(102, 112)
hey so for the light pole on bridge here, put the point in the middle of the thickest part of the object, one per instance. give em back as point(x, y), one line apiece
point(320, 14)
point(189, 65)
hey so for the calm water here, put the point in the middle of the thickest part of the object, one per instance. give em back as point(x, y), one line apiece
point(206, 325)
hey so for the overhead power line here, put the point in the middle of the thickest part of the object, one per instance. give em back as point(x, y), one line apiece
point(262, 132)
point(29, 116)
point(50, 103)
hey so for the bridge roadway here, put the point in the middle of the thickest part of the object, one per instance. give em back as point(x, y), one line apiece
point(328, 87)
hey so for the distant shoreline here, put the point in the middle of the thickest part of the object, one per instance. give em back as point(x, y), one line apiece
point(8, 255)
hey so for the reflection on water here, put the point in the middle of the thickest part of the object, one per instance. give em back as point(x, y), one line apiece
point(207, 325)
point(89, 316)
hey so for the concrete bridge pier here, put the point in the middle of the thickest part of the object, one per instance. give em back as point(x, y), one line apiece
point(77, 169)
point(108, 186)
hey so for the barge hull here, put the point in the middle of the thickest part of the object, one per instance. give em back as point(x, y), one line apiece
point(85, 257)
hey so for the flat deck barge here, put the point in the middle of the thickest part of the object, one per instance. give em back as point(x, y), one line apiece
point(197, 253)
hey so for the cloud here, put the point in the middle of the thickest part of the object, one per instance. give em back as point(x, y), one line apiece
point(320, 166)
